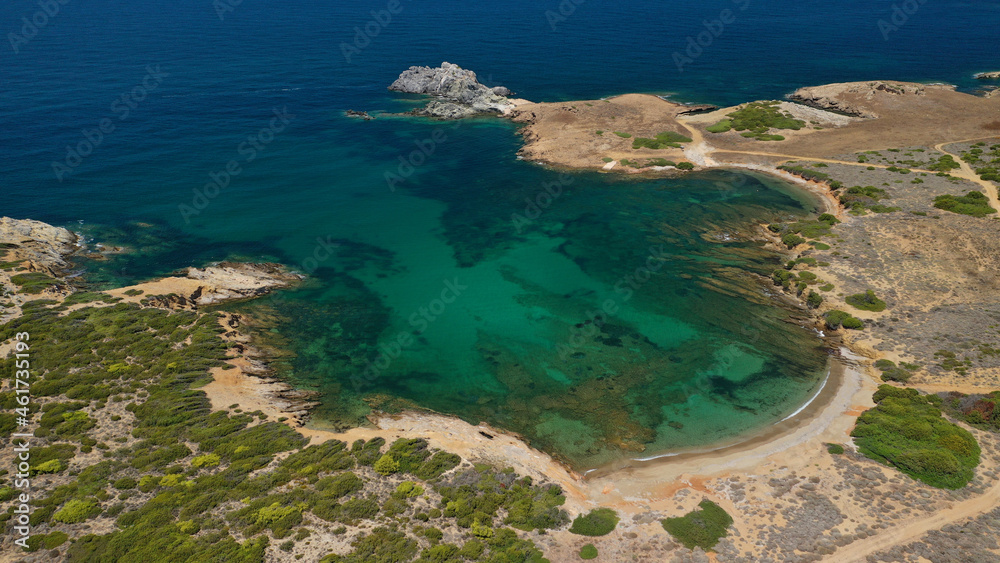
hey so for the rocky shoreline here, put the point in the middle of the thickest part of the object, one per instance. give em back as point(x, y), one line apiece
point(42, 246)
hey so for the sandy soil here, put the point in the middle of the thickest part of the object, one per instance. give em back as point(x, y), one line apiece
point(565, 133)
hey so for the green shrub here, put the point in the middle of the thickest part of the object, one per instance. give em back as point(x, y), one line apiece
point(125, 484)
point(588, 552)
point(906, 430)
point(386, 465)
point(667, 139)
point(339, 485)
point(33, 282)
point(866, 301)
point(814, 299)
point(720, 127)
point(50, 466)
point(835, 449)
point(206, 460)
point(756, 118)
point(382, 545)
point(685, 166)
point(836, 318)
point(973, 203)
point(782, 277)
point(700, 528)
point(76, 511)
point(597, 522)
point(408, 489)
point(792, 240)
point(623, 135)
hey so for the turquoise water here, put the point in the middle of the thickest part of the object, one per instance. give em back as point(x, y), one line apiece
point(695, 354)
point(621, 321)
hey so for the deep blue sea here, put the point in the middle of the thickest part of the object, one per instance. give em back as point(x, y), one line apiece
point(115, 115)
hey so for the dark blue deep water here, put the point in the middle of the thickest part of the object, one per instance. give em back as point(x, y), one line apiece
point(180, 92)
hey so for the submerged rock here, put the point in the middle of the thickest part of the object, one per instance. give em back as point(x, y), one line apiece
point(360, 114)
point(462, 93)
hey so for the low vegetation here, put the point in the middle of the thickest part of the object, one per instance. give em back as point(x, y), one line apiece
point(807, 173)
point(866, 301)
point(943, 164)
point(972, 203)
point(597, 522)
point(33, 283)
point(892, 372)
point(667, 139)
point(720, 127)
point(756, 119)
point(984, 160)
point(861, 199)
point(700, 528)
point(905, 430)
point(978, 410)
point(836, 319)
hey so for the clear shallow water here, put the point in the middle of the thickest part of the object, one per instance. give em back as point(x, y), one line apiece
point(692, 356)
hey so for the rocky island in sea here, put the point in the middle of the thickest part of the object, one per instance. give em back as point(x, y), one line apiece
point(459, 92)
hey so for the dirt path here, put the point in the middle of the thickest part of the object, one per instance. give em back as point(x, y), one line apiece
point(699, 152)
point(813, 159)
point(886, 539)
point(967, 173)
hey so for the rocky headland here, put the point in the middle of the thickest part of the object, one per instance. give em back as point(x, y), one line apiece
point(459, 92)
point(212, 285)
point(42, 246)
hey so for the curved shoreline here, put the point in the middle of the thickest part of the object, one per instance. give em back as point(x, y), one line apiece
point(840, 384)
